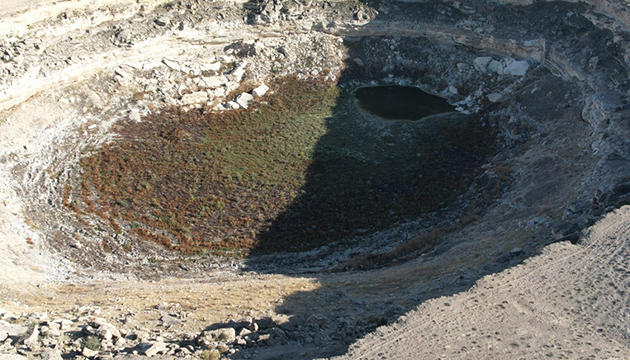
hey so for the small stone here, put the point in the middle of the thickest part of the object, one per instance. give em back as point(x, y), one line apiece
point(105, 326)
point(134, 114)
point(358, 62)
point(103, 334)
point(162, 21)
point(12, 357)
point(155, 348)
point(481, 63)
point(237, 74)
point(214, 66)
point(66, 324)
point(120, 342)
point(494, 97)
point(260, 91)
point(495, 67)
point(244, 99)
point(30, 338)
point(214, 81)
point(282, 50)
point(89, 352)
point(195, 98)
point(517, 68)
point(231, 105)
point(51, 354)
point(225, 335)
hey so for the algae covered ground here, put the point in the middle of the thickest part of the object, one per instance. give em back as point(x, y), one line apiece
point(302, 168)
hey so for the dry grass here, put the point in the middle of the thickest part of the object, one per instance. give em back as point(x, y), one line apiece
point(295, 173)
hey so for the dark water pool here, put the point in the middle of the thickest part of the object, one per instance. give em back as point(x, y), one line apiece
point(395, 102)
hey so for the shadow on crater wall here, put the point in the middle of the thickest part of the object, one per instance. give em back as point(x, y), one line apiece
point(368, 175)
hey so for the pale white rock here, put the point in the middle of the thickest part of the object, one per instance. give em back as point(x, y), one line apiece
point(260, 91)
point(162, 21)
point(244, 332)
point(238, 72)
point(231, 105)
point(481, 63)
point(215, 66)
point(516, 68)
point(172, 64)
point(12, 357)
point(494, 97)
point(197, 97)
point(122, 73)
point(226, 58)
point(51, 354)
point(155, 348)
point(12, 329)
point(452, 89)
point(103, 325)
point(214, 81)
point(134, 114)
point(225, 335)
point(31, 339)
point(89, 352)
point(244, 99)
point(495, 67)
point(66, 324)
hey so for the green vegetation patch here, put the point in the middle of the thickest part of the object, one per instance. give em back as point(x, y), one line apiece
point(300, 169)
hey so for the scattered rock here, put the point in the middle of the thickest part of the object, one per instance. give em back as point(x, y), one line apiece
point(481, 63)
point(12, 357)
point(260, 91)
point(51, 354)
point(516, 68)
point(244, 99)
point(495, 67)
point(494, 97)
point(87, 352)
point(224, 335)
point(198, 97)
point(154, 348)
point(214, 81)
point(161, 21)
point(30, 337)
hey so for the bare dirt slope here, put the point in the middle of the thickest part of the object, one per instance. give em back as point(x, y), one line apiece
point(569, 302)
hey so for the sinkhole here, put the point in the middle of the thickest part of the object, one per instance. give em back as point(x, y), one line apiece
point(298, 170)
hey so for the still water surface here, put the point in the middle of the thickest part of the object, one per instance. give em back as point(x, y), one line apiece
point(395, 102)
